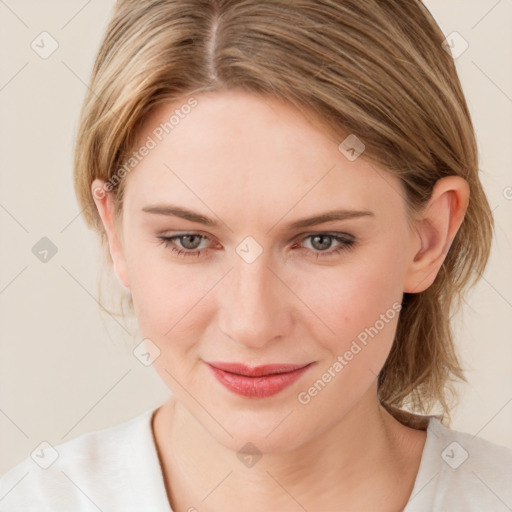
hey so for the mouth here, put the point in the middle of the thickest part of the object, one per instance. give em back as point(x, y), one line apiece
point(257, 382)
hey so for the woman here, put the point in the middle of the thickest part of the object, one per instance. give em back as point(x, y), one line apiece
point(289, 192)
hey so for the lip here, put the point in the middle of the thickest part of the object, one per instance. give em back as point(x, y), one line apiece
point(259, 381)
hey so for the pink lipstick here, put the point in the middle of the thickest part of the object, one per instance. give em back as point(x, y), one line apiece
point(259, 381)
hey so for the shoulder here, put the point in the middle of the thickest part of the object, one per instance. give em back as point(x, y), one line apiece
point(85, 473)
point(459, 471)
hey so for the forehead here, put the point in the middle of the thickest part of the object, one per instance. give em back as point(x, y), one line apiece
point(244, 154)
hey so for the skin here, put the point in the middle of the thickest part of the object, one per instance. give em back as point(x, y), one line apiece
point(256, 165)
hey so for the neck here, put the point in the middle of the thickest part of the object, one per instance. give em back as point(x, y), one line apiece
point(361, 461)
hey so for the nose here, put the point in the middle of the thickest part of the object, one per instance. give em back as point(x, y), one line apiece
point(255, 307)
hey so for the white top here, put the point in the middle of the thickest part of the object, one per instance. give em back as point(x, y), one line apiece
point(117, 470)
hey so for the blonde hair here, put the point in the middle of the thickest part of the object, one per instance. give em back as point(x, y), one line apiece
point(373, 68)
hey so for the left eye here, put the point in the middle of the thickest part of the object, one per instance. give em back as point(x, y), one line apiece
point(320, 242)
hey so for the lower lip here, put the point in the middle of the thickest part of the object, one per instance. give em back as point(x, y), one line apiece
point(257, 387)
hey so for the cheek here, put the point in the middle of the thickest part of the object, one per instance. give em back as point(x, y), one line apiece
point(361, 303)
point(167, 297)
point(353, 295)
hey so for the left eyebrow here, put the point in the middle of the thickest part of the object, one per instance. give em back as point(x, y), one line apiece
point(328, 217)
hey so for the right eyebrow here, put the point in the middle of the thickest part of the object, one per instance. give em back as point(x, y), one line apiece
point(182, 213)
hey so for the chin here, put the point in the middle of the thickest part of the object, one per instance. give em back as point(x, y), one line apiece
point(268, 432)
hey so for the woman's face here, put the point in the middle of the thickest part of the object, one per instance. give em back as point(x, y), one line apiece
point(243, 285)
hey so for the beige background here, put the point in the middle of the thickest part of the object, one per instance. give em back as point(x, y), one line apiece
point(66, 369)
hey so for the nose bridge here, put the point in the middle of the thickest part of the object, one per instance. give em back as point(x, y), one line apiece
point(254, 309)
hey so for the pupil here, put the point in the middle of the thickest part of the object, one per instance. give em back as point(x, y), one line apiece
point(321, 246)
point(186, 239)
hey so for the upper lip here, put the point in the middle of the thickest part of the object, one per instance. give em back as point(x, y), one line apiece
point(257, 371)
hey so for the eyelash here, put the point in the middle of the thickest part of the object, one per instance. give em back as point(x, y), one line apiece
point(346, 244)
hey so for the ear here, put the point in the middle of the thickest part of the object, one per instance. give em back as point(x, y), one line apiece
point(105, 204)
point(435, 230)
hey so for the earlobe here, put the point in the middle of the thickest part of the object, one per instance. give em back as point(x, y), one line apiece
point(105, 206)
point(440, 221)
